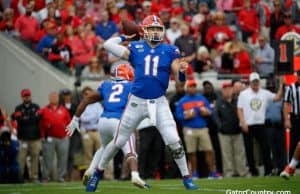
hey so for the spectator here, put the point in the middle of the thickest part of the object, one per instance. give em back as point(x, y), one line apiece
point(41, 32)
point(28, 118)
point(276, 19)
point(165, 17)
point(82, 49)
point(75, 139)
point(226, 6)
point(252, 104)
point(191, 8)
point(179, 93)
point(54, 120)
point(288, 26)
point(151, 150)
point(45, 44)
point(186, 43)
point(191, 111)
point(106, 28)
point(210, 3)
point(9, 167)
point(94, 71)
point(219, 33)
point(238, 86)
point(264, 57)
point(60, 54)
point(249, 21)
point(147, 8)
point(241, 58)
point(210, 94)
point(231, 139)
point(26, 26)
point(275, 130)
point(8, 22)
point(89, 128)
point(72, 18)
point(139, 16)
point(4, 120)
point(43, 13)
point(174, 31)
point(203, 61)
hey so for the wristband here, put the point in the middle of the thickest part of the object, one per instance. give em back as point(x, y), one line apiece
point(181, 77)
point(123, 38)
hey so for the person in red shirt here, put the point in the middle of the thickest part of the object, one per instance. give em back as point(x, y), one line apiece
point(26, 26)
point(241, 59)
point(7, 24)
point(219, 33)
point(287, 27)
point(54, 119)
point(248, 20)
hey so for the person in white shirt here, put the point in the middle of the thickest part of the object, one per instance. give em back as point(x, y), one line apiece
point(174, 31)
point(89, 128)
point(252, 104)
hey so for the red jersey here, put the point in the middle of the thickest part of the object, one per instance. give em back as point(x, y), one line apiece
point(214, 31)
point(284, 29)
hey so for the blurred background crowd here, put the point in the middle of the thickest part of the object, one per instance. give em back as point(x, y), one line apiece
point(220, 36)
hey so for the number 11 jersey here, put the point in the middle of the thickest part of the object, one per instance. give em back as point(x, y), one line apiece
point(152, 68)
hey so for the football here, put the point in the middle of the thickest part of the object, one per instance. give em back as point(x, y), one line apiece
point(129, 28)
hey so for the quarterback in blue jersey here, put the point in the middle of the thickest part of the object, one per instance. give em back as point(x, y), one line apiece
point(153, 62)
point(115, 95)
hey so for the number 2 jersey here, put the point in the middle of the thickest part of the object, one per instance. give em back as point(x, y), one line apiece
point(115, 95)
point(152, 68)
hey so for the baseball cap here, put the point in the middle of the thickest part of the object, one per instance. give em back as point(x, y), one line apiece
point(254, 76)
point(191, 82)
point(25, 92)
point(226, 84)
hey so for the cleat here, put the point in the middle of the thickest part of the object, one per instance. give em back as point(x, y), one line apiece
point(86, 177)
point(189, 185)
point(138, 182)
point(93, 181)
point(287, 172)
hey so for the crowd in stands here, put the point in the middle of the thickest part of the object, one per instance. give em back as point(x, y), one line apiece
point(214, 35)
point(224, 36)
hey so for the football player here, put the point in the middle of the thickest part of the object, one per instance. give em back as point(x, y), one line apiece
point(114, 94)
point(153, 61)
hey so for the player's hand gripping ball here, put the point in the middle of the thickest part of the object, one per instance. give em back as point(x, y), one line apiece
point(130, 28)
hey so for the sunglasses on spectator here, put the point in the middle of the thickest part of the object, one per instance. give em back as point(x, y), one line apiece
point(287, 16)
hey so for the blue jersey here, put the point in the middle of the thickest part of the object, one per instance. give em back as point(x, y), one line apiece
point(152, 68)
point(115, 96)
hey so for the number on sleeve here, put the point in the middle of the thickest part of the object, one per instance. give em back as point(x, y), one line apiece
point(283, 54)
point(116, 92)
point(148, 65)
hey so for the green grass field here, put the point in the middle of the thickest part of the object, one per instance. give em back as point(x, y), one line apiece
point(267, 185)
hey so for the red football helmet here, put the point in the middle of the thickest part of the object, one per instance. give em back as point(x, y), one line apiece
point(123, 71)
point(153, 28)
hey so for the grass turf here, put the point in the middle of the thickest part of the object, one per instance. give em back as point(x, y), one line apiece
point(265, 185)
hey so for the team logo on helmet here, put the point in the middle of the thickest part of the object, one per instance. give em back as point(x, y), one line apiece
point(153, 29)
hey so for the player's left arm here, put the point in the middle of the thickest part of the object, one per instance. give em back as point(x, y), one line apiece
point(179, 67)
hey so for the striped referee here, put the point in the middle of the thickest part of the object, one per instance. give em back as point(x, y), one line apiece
point(292, 106)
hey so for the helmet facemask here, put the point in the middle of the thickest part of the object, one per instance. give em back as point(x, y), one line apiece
point(154, 33)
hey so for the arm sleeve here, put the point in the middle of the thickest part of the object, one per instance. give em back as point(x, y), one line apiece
point(113, 46)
